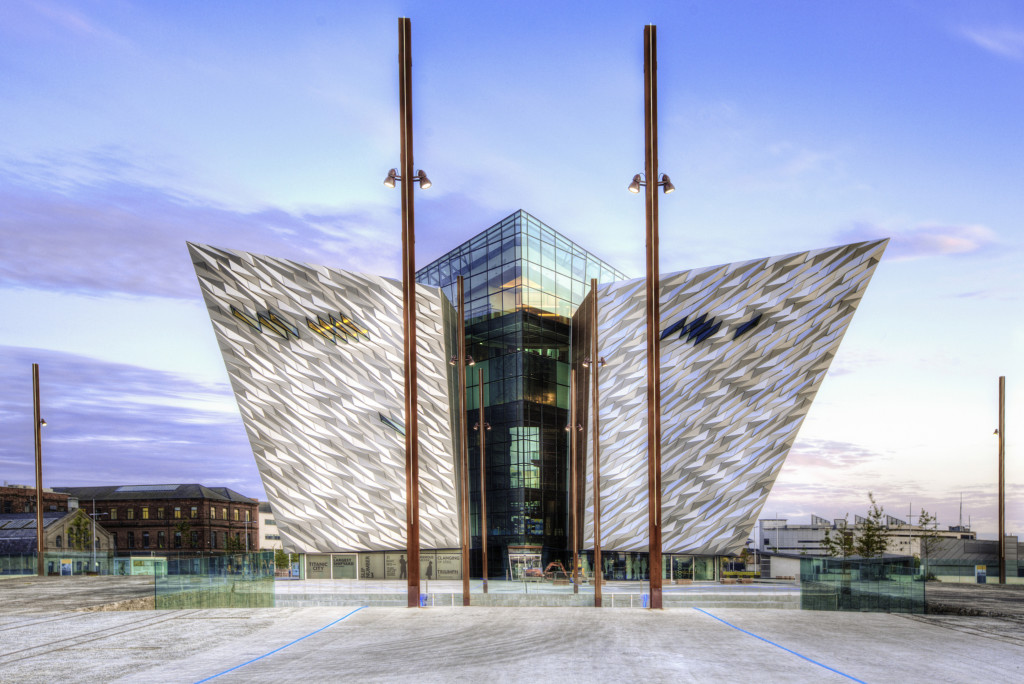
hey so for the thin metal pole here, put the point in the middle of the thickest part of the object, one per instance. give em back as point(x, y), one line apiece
point(596, 440)
point(93, 540)
point(463, 443)
point(572, 482)
point(1002, 480)
point(40, 544)
point(412, 460)
point(653, 312)
point(482, 426)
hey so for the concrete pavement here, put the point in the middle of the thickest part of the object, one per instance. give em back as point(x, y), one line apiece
point(505, 644)
point(43, 638)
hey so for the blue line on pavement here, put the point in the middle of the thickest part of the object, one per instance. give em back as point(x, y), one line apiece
point(798, 655)
point(280, 649)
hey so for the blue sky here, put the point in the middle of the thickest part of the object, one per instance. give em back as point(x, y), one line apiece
point(129, 128)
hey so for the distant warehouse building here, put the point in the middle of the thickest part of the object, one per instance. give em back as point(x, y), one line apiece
point(177, 517)
point(778, 536)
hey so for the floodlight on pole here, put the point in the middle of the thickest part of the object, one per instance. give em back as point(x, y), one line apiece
point(420, 177)
point(639, 182)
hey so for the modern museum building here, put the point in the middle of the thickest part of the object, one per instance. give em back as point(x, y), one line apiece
point(315, 359)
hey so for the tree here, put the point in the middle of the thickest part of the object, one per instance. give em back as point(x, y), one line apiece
point(183, 530)
point(79, 534)
point(281, 560)
point(929, 537)
point(840, 542)
point(234, 545)
point(872, 540)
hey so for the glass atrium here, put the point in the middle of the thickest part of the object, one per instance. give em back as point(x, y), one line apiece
point(522, 281)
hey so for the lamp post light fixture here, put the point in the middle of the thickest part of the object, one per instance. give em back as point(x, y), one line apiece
point(653, 305)
point(638, 182)
point(412, 462)
point(420, 177)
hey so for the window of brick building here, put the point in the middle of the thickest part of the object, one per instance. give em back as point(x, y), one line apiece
point(161, 540)
point(247, 514)
point(213, 540)
point(131, 540)
point(145, 512)
point(224, 513)
point(145, 540)
point(113, 513)
point(234, 512)
point(195, 539)
point(213, 513)
point(177, 512)
point(130, 515)
point(177, 540)
point(160, 513)
point(194, 512)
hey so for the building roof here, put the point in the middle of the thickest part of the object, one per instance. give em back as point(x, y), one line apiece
point(18, 530)
point(154, 491)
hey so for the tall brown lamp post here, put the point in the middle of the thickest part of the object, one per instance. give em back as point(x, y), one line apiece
point(412, 460)
point(461, 361)
point(482, 427)
point(572, 428)
point(651, 182)
point(39, 423)
point(594, 362)
point(1002, 479)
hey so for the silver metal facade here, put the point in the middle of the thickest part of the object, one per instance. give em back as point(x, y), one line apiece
point(314, 356)
point(745, 347)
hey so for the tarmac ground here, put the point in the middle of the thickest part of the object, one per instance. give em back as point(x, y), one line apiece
point(43, 639)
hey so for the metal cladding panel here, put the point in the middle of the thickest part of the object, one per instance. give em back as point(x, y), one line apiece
point(315, 357)
point(744, 348)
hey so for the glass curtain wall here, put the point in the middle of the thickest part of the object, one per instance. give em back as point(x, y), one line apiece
point(523, 281)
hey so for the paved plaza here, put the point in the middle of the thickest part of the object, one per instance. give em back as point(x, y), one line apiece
point(50, 641)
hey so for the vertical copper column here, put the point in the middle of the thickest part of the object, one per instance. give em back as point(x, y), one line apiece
point(1002, 479)
point(596, 442)
point(482, 427)
point(653, 311)
point(572, 483)
point(463, 444)
point(412, 456)
point(40, 543)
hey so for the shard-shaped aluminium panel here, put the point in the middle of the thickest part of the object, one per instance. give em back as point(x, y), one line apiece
point(315, 359)
point(744, 349)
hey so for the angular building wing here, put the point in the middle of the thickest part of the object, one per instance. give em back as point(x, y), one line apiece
point(744, 348)
point(315, 359)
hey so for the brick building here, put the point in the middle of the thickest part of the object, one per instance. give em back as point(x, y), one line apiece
point(172, 517)
point(22, 499)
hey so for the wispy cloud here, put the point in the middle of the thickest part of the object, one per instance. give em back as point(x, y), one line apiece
point(822, 453)
point(1004, 42)
point(925, 240)
point(119, 424)
point(56, 20)
point(117, 236)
